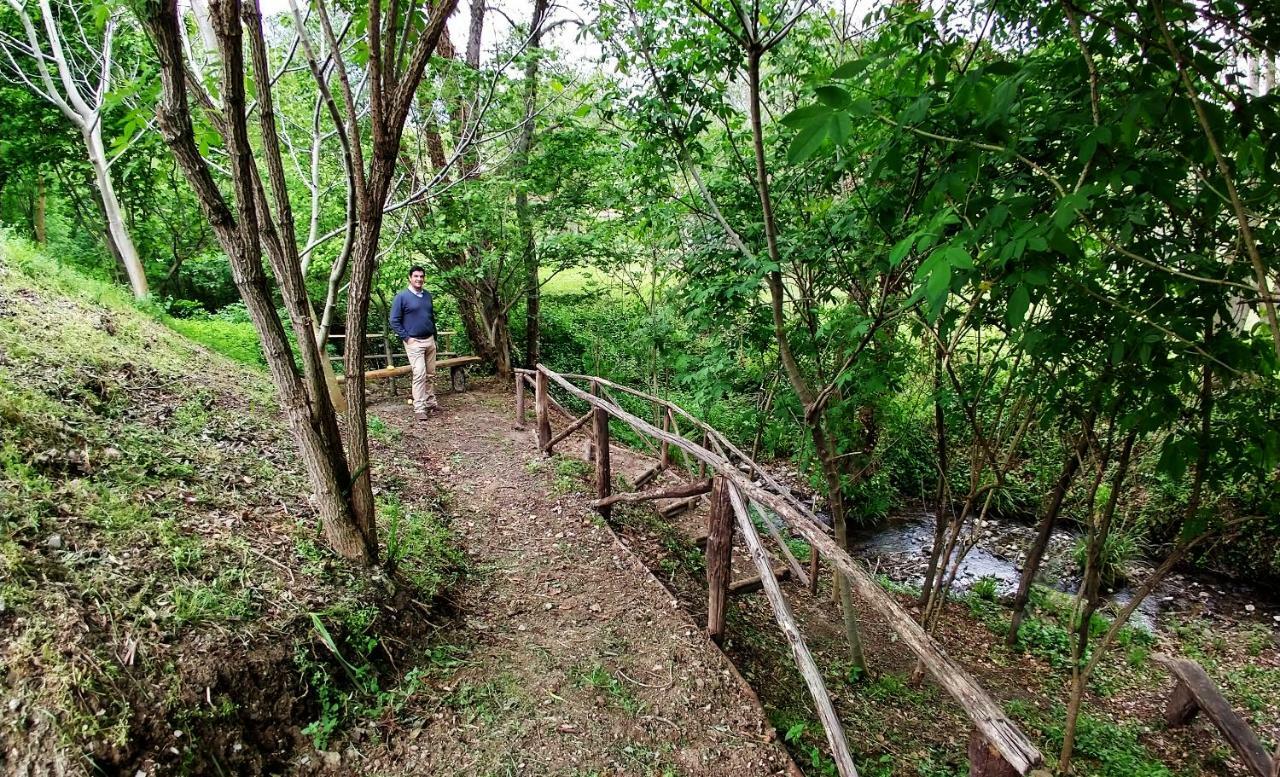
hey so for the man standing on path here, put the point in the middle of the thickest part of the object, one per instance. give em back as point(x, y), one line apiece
point(414, 320)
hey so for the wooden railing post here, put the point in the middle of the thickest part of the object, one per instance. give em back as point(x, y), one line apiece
point(589, 451)
point(541, 413)
point(813, 570)
point(665, 459)
point(520, 412)
point(719, 558)
point(702, 465)
point(604, 479)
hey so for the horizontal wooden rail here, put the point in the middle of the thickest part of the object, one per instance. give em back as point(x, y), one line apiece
point(987, 716)
point(1195, 692)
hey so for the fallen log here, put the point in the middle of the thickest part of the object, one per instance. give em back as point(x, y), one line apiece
point(683, 490)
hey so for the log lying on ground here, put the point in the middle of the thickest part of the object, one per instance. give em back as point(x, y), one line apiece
point(987, 716)
point(674, 492)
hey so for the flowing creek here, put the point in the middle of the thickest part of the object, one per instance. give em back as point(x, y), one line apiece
point(899, 549)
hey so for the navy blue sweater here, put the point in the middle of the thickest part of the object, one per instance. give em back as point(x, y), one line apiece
point(413, 316)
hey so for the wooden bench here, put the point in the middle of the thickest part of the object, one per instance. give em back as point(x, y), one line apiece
point(1196, 692)
point(456, 365)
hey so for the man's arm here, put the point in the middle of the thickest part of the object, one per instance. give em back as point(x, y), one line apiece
point(397, 317)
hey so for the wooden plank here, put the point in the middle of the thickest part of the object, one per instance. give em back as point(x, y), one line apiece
point(540, 410)
point(986, 715)
point(1241, 736)
point(754, 583)
point(604, 479)
point(394, 372)
point(719, 559)
point(799, 650)
point(684, 489)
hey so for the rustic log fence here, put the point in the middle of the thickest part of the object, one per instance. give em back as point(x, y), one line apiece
point(737, 485)
point(1194, 693)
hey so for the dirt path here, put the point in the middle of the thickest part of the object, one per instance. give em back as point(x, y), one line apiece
point(579, 662)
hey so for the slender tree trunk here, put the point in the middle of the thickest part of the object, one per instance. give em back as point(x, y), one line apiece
point(1035, 554)
point(38, 212)
point(940, 496)
point(1087, 602)
point(529, 248)
point(116, 228)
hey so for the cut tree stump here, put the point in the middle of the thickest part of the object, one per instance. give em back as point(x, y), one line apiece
point(1195, 692)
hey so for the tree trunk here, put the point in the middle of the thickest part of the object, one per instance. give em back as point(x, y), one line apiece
point(940, 497)
point(1036, 552)
point(116, 229)
point(529, 248)
point(1089, 597)
point(38, 212)
point(238, 235)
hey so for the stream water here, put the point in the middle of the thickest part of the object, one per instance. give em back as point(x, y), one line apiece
point(900, 547)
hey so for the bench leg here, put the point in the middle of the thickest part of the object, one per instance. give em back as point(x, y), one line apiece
point(458, 377)
point(1182, 707)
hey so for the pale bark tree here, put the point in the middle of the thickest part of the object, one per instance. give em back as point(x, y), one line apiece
point(77, 84)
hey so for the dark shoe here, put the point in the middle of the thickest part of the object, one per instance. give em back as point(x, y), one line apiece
point(421, 416)
point(433, 406)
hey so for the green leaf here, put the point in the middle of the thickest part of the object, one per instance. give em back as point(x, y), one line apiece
point(840, 129)
point(955, 256)
point(851, 69)
point(939, 283)
point(900, 250)
point(833, 96)
point(806, 143)
point(1019, 301)
point(806, 116)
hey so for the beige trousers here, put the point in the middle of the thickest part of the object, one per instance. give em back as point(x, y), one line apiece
point(422, 358)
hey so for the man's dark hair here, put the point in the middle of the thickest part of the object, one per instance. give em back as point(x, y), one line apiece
point(415, 269)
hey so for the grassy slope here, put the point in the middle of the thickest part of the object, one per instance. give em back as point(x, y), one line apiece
point(165, 597)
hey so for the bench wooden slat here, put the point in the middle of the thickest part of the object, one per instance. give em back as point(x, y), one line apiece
point(441, 364)
point(1195, 687)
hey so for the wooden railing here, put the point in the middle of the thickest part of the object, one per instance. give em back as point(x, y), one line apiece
point(1195, 692)
point(998, 746)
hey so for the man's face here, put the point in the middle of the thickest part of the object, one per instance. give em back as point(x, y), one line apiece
point(415, 280)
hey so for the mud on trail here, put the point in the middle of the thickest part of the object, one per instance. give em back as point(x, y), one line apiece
point(577, 660)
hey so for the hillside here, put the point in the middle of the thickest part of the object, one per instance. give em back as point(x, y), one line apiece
point(169, 607)
point(166, 600)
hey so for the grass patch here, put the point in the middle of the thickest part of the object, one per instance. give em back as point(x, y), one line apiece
point(607, 685)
